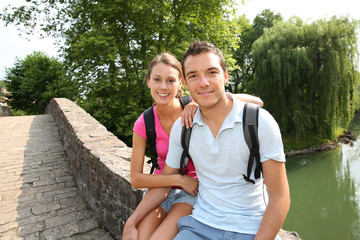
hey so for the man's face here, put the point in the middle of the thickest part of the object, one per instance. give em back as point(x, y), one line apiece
point(205, 79)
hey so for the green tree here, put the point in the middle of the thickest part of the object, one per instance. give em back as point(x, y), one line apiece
point(109, 43)
point(34, 81)
point(244, 72)
point(306, 74)
point(2, 84)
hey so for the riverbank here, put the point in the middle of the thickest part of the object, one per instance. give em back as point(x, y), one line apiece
point(346, 138)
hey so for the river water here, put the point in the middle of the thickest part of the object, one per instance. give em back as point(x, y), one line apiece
point(325, 193)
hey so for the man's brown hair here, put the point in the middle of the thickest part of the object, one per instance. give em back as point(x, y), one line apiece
point(199, 47)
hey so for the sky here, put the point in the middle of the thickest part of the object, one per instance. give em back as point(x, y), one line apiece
point(13, 46)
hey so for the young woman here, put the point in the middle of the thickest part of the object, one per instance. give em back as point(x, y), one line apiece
point(164, 78)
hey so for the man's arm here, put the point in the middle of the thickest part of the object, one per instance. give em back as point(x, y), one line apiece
point(279, 199)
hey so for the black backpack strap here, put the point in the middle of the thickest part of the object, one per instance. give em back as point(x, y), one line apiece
point(151, 133)
point(185, 138)
point(184, 100)
point(250, 127)
point(151, 136)
point(185, 141)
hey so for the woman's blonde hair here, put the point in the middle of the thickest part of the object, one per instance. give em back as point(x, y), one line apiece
point(167, 59)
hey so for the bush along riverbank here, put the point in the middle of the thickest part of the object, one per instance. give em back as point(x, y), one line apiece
point(346, 138)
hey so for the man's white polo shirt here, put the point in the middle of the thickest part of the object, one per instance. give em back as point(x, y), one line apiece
point(226, 201)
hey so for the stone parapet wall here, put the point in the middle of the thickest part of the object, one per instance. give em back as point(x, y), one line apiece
point(100, 163)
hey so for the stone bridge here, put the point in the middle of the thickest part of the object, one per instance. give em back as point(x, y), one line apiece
point(64, 176)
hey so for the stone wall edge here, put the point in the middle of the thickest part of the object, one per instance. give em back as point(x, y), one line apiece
point(99, 162)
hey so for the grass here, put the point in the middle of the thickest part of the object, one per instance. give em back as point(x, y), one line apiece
point(18, 112)
point(310, 140)
point(291, 144)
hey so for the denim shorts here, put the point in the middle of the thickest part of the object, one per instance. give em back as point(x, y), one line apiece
point(190, 228)
point(177, 196)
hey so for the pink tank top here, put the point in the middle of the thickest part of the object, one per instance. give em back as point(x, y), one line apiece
point(162, 143)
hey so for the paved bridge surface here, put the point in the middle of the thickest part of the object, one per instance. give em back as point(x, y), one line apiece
point(39, 198)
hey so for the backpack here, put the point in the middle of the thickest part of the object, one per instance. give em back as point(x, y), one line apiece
point(250, 127)
point(151, 133)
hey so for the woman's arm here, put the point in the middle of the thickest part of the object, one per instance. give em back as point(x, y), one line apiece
point(139, 179)
point(248, 98)
point(152, 199)
point(188, 114)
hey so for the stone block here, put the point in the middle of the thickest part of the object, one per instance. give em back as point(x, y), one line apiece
point(39, 209)
point(31, 228)
point(5, 111)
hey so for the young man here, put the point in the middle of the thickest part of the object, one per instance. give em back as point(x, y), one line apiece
point(228, 207)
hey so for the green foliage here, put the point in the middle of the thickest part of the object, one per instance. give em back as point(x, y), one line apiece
point(306, 74)
point(2, 84)
point(293, 144)
point(244, 72)
point(109, 43)
point(34, 81)
point(17, 112)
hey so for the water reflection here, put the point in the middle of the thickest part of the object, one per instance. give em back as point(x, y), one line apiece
point(351, 162)
point(325, 194)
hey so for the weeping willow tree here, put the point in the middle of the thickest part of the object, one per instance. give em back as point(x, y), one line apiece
point(307, 75)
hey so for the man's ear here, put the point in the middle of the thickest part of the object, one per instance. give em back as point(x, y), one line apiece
point(185, 82)
point(226, 78)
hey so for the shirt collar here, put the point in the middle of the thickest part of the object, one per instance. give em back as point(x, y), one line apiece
point(236, 111)
point(235, 114)
point(198, 118)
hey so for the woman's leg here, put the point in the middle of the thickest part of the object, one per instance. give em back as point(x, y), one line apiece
point(168, 228)
point(151, 222)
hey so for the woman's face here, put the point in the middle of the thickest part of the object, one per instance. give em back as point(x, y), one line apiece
point(164, 83)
